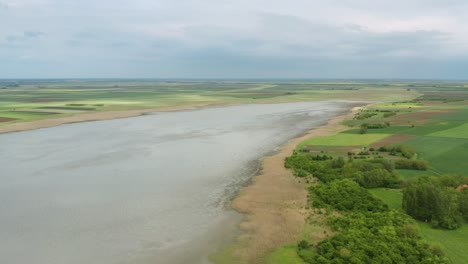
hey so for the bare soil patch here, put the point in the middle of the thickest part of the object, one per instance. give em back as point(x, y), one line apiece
point(419, 118)
point(7, 119)
point(391, 140)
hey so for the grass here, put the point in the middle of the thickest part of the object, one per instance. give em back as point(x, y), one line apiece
point(454, 242)
point(284, 255)
point(444, 154)
point(344, 139)
point(460, 131)
point(412, 174)
point(392, 197)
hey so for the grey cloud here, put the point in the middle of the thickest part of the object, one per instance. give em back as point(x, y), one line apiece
point(246, 38)
point(25, 36)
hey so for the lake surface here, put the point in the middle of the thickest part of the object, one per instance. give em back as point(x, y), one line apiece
point(148, 189)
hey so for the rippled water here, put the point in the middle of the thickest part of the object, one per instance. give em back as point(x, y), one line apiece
point(148, 189)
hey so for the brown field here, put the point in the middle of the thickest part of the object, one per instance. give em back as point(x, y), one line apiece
point(6, 119)
point(419, 118)
point(391, 140)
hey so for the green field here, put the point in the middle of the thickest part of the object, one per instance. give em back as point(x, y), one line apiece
point(284, 255)
point(344, 139)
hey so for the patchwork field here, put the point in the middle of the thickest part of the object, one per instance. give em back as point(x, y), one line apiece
point(434, 125)
point(29, 100)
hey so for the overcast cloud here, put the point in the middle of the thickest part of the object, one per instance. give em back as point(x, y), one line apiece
point(234, 39)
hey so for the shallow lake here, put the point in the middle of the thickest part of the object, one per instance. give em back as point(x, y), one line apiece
point(148, 189)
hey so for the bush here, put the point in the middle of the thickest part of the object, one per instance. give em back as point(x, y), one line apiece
point(384, 237)
point(346, 195)
point(406, 164)
point(363, 130)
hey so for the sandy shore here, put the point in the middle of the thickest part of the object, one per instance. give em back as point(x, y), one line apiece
point(275, 203)
point(94, 116)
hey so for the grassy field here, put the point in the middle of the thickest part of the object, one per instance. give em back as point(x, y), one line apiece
point(436, 126)
point(344, 139)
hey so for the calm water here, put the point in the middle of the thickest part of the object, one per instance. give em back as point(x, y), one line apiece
point(149, 189)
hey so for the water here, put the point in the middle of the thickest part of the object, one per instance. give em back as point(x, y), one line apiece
point(148, 189)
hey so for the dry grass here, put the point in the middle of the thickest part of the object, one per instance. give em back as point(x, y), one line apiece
point(275, 203)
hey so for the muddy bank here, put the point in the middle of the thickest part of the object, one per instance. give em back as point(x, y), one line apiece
point(275, 202)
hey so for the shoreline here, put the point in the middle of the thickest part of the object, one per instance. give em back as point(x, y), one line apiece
point(97, 116)
point(274, 204)
point(117, 114)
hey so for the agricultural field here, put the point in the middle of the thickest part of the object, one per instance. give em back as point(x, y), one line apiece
point(434, 126)
point(29, 100)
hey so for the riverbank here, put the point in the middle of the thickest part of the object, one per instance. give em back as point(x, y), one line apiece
point(275, 203)
point(96, 116)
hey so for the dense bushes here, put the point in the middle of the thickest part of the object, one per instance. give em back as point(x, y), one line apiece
point(383, 237)
point(405, 151)
point(367, 231)
point(346, 195)
point(376, 125)
point(370, 173)
point(435, 200)
point(407, 164)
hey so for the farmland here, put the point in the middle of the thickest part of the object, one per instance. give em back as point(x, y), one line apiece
point(30, 100)
point(434, 125)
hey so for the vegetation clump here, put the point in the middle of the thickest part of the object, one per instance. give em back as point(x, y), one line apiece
point(378, 237)
point(435, 200)
point(346, 195)
point(369, 173)
point(402, 150)
point(367, 231)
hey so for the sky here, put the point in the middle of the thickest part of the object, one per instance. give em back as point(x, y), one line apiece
point(423, 39)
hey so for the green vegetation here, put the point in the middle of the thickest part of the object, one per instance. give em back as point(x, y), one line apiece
point(346, 195)
point(436, 200)
point(425, 145)
point(344, 139)
point(367, 226)
point(284, 255)
point(384, 237)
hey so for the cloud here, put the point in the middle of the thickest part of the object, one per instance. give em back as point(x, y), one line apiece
point(24, 36)
point(225, 38)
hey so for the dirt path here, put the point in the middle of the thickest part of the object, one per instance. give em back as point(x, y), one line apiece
point(275, 203)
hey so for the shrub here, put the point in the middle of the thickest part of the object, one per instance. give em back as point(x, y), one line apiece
point(346, 195)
